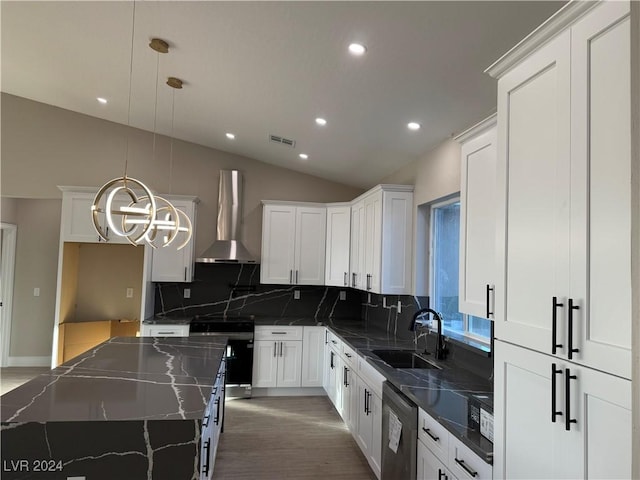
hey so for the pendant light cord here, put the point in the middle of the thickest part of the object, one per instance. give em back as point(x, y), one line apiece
point(173, 103)
point(133, 29)
point(155, 109)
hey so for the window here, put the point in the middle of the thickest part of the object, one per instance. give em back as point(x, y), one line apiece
point(444, 272)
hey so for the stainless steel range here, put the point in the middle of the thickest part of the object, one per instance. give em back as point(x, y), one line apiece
point(239, 354)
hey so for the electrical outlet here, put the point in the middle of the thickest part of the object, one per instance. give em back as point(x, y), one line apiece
point(187, 293)
point(368, 298)
point(343, 295)
point(399, 306)
point(36, 292)
point(296, 294)
point(129, 292)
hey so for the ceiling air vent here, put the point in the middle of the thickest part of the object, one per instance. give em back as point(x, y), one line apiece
point(282, 141)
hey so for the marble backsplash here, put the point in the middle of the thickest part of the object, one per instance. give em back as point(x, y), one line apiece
point(235, 289)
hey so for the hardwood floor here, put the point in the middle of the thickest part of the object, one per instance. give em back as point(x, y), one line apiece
point(287, 437)
point(12, 377)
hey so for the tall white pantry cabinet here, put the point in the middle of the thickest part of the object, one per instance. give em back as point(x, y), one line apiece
point(563, 283)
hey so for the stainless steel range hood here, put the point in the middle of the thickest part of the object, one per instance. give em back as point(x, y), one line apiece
point(228, 248)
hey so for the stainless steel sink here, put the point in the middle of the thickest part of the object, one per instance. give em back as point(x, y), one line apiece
point(403, 359)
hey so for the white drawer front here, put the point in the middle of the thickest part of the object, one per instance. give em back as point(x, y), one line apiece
point(350, 357)
point(334, 341)
point(165, 330)
point(434, 436)
point(370, 375)
point(276, 332)
point(463, 462)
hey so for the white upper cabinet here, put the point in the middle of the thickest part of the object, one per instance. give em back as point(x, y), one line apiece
point(601, 189)
point(336, 271)
point(293, 243)
point(533, 194)
point(478, 219)
point(170, 264)
point(77, 222)
point(381, 239)
point(564, 195)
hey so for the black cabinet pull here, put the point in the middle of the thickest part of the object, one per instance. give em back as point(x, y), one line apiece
point(217, 419)
point(281, 349)
point(205, 463)
point(353, 279)
point(554, 325)
point(368, 395)
point(471, 472)
point(290, 276)
point(345, 279)
point(331, 360)
point(346, 380)
point(489, 290)
point(275, 349)
point(567, 396)
point(441, 474)
point(428, 432)
point(326, 337)
point(205, 421)
point(296, 277)
point(348, 355)
point(334, 342)
point(366, 401)
point(554, 371)
point(570, 348)
point(369, 281)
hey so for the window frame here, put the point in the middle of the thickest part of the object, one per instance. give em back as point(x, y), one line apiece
point(464, 333)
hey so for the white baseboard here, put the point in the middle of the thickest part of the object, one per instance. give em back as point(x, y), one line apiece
point(29, 361)
point(288, 392)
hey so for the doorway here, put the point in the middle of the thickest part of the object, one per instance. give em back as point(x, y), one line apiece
point(8, 233)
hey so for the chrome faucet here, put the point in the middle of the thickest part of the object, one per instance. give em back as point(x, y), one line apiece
point(441, 348)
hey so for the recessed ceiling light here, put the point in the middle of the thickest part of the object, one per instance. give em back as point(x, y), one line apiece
point(101, 100)
point(357, 49)
point(413, 126)
point(230, 136)
point(303, 156)
point(321, 121)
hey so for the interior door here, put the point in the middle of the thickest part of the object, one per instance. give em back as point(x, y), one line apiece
point(8, 235)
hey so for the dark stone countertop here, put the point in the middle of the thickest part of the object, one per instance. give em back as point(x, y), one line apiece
point(441, 393)
point(124, 378)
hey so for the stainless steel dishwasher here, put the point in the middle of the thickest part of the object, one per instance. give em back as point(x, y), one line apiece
point(396, 407)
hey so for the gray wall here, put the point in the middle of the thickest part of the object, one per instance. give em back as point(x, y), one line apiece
point(45, 146)
point(36, 265)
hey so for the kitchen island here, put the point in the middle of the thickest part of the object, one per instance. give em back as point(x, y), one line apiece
point(130, 408)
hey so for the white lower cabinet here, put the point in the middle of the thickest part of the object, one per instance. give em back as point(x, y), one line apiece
point(555, 419)
point(313, 345)
point(442, 456)
point(355, 390)
point(277, 357)
point(429, 466)
point(212, 425)
point(368, 433)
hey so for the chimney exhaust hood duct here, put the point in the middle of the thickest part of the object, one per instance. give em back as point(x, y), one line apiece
point(228, 248)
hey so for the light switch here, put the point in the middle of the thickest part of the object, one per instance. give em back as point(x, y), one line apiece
point(36, 292)
point(187, 293)
point(296, 294)
point(384, 302)
point(343, 295)
point(129, 292)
